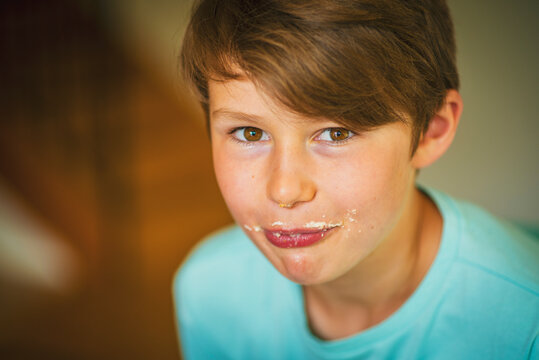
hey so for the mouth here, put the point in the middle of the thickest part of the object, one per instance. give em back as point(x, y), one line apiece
point(295, 238)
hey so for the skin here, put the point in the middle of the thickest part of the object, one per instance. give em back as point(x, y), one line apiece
point(388, 231)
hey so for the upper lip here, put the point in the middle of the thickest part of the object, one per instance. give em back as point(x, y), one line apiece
point(300, 230)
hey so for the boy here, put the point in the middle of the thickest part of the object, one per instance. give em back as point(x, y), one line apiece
point(321, 113)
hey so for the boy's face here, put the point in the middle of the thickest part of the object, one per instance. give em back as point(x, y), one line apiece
point(316, 199)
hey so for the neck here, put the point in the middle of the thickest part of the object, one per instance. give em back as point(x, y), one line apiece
point(381, 282)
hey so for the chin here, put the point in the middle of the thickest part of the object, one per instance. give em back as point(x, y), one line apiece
point(301, 269)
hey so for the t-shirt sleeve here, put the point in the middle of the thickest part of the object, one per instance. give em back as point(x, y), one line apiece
point(185, 326)
point(201, 329)
point(192, 292)
point(194, 339)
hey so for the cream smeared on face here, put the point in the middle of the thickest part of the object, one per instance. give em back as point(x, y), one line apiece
point(308, 225)
point(320, 225)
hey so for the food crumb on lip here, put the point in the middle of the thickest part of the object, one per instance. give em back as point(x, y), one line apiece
point(322, 224)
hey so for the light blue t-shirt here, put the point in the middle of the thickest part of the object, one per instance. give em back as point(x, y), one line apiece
point(479, 300)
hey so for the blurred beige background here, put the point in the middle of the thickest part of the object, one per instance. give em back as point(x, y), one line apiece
point(494, 160)
point(105, 170)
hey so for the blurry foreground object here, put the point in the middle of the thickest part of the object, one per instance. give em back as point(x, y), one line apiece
point(101, 149)
point(31, 253)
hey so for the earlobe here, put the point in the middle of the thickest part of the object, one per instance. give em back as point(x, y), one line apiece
point(440, 132)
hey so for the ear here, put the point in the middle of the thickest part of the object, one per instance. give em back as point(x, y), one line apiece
point(440, 133)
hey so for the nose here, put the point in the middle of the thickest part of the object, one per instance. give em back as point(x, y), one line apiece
point(290, 181)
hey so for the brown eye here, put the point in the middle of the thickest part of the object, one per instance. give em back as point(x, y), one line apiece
point(252, 134)
point(339, 134)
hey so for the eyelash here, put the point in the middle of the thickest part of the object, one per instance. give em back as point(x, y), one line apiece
point(242, 142)
point(250, 143)
point(338, 142)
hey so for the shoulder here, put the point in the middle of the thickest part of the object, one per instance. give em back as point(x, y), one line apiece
point(500, 247)
point(491, 281)
point(492, 245)
point(222, 285)
point(223, 276)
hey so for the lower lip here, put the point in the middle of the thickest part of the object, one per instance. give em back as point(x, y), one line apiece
point(295, 239)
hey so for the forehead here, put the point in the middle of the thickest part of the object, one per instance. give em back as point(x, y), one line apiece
point(241, 99)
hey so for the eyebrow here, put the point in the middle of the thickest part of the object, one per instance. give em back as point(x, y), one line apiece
point(236, 115)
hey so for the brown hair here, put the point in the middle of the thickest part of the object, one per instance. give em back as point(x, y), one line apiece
point(362, 63)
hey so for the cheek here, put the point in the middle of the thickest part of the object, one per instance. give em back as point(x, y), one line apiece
point(236, 181)
point(369, 187)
